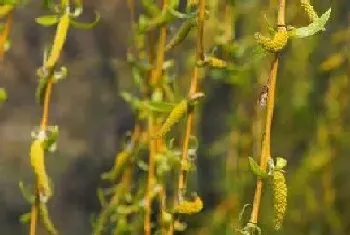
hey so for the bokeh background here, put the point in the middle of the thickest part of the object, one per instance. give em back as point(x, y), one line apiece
point(311, 126)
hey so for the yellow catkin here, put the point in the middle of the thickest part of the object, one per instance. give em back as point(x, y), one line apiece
point(37, 155)
point(275, 44)
point(279, 198)
point(309, 9)
point(182, 33)
point(215, 62)
point(44, 216)
point(175, 116)
point(190, 207)
point(60, 38)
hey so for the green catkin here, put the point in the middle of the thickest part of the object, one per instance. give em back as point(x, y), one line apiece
point(44, 215)
point(309, 9)
point(60, 38)
point(175, 115)
point(275, 44)
point(181, 34)
point(279, 198)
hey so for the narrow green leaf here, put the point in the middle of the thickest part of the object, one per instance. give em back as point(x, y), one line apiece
point(101, 197)
point(255, 168)
point(27, 194)
point(313, 28)
point(86, 25)
point(3, 94)
point(47, 20)
point(159, 106)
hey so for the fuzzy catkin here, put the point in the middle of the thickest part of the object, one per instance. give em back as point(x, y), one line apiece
point(190, 207)
point(275, 44)
point(37, 155)
point(279, 198)
point(60, 38)
point(175, 116)
point(309, 9)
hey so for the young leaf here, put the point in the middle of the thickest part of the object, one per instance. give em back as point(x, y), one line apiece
point(86, 25)
point(47, 20)
point(313, 28)
point(255, 168)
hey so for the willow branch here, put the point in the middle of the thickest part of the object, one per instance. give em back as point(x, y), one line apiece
point(193, 89)
point(266, 147)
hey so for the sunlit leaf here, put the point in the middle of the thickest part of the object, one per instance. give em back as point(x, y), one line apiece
point(47, 20)
point(86, 25)
point(313, 28)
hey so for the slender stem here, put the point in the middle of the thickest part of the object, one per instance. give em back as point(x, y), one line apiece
point(193, 89)
point(266, 148)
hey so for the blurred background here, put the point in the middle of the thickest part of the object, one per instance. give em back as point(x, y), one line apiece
point(311, 126)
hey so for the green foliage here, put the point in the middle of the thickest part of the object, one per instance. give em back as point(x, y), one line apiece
point(313, 28)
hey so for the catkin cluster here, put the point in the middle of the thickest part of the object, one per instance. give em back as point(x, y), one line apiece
point(175, 116)
point(309, 9)
point(37, 155)
point(279, 198)
point(190, 207)
point(275, 44)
